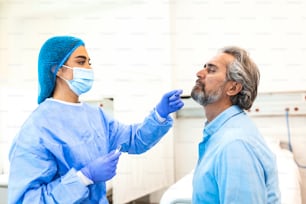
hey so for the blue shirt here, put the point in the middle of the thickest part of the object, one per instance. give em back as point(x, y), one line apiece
point(58, 139)
point(235, 165)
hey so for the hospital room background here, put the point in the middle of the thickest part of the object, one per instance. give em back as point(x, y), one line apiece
point(140, 49)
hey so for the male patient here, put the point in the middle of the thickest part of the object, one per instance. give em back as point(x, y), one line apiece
point(235, 165)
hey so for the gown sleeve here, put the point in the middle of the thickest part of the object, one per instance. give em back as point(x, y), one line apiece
point(33, 175)
point(138, 138)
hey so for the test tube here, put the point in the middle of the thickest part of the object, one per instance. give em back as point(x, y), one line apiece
point(118, 149)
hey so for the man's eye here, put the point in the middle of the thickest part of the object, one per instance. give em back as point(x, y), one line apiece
point(211, 70)
point(81, 62)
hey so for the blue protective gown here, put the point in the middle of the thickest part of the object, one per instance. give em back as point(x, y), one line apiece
point(235, 165)
point(58, 139)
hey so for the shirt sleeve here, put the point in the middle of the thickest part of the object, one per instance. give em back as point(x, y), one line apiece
point(33, 177)
point(240, 176)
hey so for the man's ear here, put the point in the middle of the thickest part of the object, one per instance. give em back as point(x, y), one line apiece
point(234, 88)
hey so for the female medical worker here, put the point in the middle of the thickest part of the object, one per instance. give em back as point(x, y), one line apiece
point(64, 152)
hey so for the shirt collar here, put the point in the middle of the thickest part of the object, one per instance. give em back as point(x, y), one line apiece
point(216, 123)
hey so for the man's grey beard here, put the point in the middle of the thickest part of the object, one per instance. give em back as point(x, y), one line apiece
point(203, 98)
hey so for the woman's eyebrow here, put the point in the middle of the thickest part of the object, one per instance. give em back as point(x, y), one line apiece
point(82, 57)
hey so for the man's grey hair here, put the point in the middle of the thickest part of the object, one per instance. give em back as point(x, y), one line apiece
point(244, 71)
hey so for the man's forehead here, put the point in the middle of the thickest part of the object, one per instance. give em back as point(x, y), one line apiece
point(221, 59)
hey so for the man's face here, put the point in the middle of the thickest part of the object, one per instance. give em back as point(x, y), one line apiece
point(211, 82)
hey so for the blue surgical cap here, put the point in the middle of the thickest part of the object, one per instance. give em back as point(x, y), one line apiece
point(53, 54)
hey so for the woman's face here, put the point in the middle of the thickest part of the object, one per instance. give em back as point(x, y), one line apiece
point(79, 58)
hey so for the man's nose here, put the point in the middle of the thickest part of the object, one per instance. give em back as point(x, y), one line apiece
point(201, 73)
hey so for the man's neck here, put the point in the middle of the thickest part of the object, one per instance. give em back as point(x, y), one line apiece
point(213, 110)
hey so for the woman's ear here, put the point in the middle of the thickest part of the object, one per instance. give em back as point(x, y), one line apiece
point(234, 88)
point(59, 72)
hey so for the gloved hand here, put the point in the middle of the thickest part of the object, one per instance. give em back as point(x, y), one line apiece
point(103, 168)
point(169, 103)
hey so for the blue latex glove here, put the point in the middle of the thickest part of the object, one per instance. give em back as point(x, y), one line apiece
point(103, 168)
point(170, 103)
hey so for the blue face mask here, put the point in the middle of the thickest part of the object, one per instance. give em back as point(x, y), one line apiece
point(82, 80)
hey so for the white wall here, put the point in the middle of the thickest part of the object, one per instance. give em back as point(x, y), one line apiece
point(272, 31)
point(140, 49)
